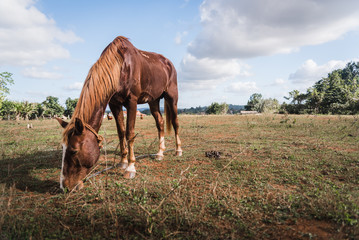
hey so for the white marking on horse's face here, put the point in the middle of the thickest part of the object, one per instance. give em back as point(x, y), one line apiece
point(62, 177)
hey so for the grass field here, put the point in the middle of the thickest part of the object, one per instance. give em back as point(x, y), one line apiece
point(276, 177)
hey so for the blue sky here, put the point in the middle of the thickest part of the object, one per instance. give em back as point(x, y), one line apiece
point(224, 50)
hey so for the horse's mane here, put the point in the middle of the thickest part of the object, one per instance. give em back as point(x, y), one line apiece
point(100, 84)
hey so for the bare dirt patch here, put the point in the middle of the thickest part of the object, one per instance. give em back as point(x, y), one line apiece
point(307, 229)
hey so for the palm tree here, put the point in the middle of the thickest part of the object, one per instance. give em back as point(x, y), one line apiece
point(27, 109)
point(7, 108)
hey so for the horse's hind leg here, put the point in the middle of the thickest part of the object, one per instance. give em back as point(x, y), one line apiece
point(118, 115)
point(156, 113)
point(171, 109)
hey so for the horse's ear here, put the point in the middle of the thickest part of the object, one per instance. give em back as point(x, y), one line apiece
point(62, 122)
point(79, 126)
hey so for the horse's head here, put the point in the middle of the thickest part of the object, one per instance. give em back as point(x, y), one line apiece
point(80, 152)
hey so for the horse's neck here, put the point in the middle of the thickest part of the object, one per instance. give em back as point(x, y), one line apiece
point(97, 117)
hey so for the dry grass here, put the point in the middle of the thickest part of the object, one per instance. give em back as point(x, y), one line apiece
point(278, 177)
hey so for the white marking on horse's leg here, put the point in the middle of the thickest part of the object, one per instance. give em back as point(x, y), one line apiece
point(131, 168)
point(162, 143)
point(123, 165)
point(178, 146)
point(130, 171)
point(162, 148)
point(62, 177)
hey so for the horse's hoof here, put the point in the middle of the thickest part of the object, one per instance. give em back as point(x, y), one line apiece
point(179, 153)
point(129, 175)
point(159, 157)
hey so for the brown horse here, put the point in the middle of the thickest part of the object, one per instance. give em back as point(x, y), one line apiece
point(122, 76)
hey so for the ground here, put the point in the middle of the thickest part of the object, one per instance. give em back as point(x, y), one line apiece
point(240, 177)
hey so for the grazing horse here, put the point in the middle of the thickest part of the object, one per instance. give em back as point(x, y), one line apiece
point(122, 76)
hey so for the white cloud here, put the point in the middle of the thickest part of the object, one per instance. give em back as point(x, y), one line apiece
point(310, 72)
point(75, 86)
point(233, 30)
point(37, 96)
point(207, 73)
point(277, 89)
point(28, 37)
point(279, 81)
point(39, 73)
point(242, 87)
point(179, 37)
point(243, 29)
point(208, 68)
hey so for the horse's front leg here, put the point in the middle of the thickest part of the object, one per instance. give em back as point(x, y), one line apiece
point(130, 171)
point(120, 124)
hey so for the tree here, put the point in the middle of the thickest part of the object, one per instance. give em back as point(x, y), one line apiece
point(296, 105)
point(269, 105)
point(337, 94)
point(257, 103)
point(27, 109)
point(17, 110)
point(7, 109)
point(5, 80)
point(297, 97)
point(314, 101)
point(52, 106)
point(39, 110)
point(70, 106)
point(254, 102)
point(216, 108)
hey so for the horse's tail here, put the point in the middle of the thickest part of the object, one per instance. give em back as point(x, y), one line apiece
point(168, 116)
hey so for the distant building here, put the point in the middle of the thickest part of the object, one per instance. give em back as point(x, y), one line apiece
point(248, 112)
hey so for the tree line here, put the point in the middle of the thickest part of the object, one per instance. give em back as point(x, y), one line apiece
point(214, 108)
point(46, 109)
point(27, 110)
point(336, 94)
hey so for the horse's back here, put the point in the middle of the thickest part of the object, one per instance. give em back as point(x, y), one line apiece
point(157, 72)
point(145, 75)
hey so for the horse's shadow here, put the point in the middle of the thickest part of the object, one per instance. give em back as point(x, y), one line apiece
point(22, 172)
point(38, 171)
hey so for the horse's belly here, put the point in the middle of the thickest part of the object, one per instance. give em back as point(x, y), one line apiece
point(144, 98)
